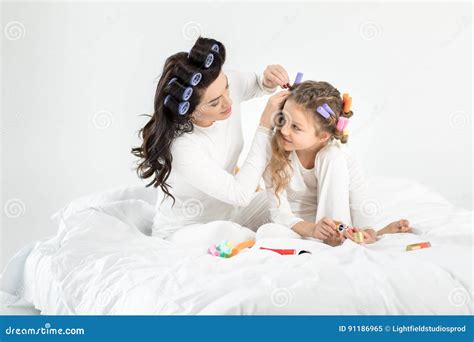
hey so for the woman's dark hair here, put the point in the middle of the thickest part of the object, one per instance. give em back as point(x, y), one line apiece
point(184, 79)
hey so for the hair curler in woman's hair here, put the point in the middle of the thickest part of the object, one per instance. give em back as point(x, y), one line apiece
point(187, 74)
point(178, 90)
point(203, 59)
point(173, 108)
point(205, 51)
point(215, 48)
point(180, 108)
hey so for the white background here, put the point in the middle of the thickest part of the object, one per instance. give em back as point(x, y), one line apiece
point(75, 77)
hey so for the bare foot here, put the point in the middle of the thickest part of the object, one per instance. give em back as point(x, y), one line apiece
point(400, 226)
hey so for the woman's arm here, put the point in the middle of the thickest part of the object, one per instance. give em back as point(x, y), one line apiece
point(247, 85)
point(197, 168)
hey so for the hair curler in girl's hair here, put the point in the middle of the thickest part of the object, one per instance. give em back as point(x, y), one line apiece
point(178, 90)
point(342, 123)
point(347, 100)
point(298, 79)
point(180, 108)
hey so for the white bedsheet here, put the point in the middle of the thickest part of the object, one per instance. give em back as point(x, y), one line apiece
point(103, 262)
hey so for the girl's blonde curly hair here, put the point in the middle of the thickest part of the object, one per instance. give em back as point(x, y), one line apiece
point(310, 95)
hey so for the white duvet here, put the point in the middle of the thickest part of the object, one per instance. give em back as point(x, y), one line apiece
point(102, 261)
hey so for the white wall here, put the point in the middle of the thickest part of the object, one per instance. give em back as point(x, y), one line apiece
point(75, 77)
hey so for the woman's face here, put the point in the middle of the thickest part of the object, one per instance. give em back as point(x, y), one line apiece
point(299, 131)
point(215, 103)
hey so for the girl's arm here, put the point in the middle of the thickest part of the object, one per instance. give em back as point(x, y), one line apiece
point(333, 185)
point(281, 213)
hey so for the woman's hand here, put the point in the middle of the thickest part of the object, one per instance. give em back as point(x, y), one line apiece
point(275, 75)
point(273, 108)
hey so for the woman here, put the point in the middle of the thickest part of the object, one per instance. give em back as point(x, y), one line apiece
point(193, 140)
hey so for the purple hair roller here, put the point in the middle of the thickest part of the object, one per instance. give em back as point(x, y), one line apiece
point(299, 78)
point(328, 109)
point(323, 112)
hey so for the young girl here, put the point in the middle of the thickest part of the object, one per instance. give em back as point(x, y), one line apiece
point(311, 177)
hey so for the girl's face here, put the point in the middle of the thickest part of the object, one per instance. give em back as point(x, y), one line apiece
point(215, 103)
point(300, 131)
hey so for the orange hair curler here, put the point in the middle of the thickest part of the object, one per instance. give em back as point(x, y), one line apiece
point(347, 100)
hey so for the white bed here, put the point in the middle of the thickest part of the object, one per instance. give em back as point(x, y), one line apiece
point(102, 261)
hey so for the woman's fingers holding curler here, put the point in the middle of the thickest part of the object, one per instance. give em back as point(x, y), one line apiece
point(275, 75)
point(282, 74)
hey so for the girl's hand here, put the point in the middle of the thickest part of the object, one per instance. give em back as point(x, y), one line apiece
point(275, 75)
point(325, 229)
point(370, 236)
point(335, 240)
point(273, 108)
